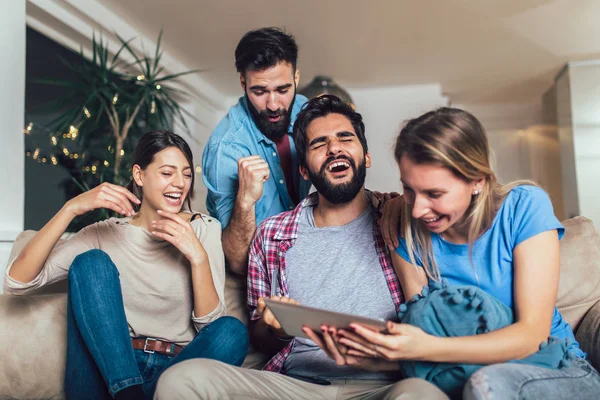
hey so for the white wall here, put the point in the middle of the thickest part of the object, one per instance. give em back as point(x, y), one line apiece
point(585, 102)
point(384, 110)
point(12, 106)
point(567, 150)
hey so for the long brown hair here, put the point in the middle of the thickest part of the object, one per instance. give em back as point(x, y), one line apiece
point(454, 139)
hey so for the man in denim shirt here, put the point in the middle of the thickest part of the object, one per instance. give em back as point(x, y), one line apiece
point(249, 164)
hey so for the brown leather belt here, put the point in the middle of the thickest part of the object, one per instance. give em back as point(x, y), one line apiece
point(151, 345)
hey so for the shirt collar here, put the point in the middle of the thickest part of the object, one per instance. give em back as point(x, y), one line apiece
point(288, 227)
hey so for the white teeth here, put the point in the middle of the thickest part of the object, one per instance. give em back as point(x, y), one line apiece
point(173, 195)
point(429, 220)
point(338, 164)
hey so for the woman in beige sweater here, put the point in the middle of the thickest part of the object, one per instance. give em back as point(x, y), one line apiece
point(146, 290)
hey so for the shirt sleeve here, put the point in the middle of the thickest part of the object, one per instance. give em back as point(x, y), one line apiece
point(209, 234)
point(402, 251)
point(259, 284)
point(220, 175)
point(57, 264)
point(532, 214)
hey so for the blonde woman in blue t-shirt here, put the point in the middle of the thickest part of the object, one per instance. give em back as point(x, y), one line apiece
point(498, 244)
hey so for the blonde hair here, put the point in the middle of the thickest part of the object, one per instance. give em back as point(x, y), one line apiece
point(453, 139)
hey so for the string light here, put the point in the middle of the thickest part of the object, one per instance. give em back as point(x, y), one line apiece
point(54, 160)
point(158, 87)
point(65, 151)
point(198, 169)
point(36, 153)
point(28, 129)
point(44, 160)
point(141, 77)
point(115, 98)
point(94, 169)
point(28, 154)
point(122, 152)
point(73, 132)
point(153, 107)
point(106, 164)
point(53, 140)
point(87, 112)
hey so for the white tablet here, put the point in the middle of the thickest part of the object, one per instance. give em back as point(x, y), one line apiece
point(293, 317)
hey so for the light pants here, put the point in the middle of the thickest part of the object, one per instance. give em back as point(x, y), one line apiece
point(579, 381)
point(214, 380)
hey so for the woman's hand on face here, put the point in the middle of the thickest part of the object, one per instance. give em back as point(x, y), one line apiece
point(106, 195)
point(402, 342)
point(180, 234)
point(329, 342)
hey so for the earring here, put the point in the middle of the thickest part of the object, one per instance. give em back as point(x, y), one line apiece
point(476, 192)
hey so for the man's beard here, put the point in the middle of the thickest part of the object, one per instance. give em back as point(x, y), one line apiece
point(340, 193)
point(272, 130)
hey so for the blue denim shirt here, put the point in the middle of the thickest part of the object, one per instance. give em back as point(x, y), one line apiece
point(237, 136)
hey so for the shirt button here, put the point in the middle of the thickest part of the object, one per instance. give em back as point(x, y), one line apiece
point(281, 181)
point(274, 154)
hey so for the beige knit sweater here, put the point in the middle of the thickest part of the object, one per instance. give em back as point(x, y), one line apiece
point(155, 277)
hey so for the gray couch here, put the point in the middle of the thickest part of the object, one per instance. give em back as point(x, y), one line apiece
point(33, 331)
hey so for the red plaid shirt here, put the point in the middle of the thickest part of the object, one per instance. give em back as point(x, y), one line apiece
point(267, 269)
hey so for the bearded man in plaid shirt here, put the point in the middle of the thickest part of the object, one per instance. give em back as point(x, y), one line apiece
point(327, 253)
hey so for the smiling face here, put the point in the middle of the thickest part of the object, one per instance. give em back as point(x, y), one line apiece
point(335, 159)
point(439, 199)
point(166, 181)
point(270, 95)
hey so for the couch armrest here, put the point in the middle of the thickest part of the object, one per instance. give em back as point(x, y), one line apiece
point(588, 335)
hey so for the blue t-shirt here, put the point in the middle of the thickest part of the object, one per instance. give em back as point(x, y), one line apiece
point(525, 212)
point(237, 136)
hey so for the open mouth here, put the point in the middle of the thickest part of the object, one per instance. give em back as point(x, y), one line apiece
point(173, 198)
point(432, 223)
point(338, 166)
point(274, 118)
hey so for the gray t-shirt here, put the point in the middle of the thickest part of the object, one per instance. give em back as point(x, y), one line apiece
point(335, 268)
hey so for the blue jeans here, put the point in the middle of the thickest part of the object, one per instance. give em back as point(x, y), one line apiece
point(521, 381)
point(100, 358)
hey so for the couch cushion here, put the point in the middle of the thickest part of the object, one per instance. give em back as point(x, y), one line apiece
point(33, 335)
point(579, 286)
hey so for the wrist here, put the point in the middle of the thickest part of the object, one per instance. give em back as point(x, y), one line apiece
point(245, 205)
point(69, 210)
point(432, 348)
point(199, 261)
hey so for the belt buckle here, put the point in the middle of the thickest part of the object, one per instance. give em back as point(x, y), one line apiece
point(146, 345)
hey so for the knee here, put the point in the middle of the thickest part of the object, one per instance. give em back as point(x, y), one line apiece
point(416, 388)
point(186, 380)
point(233, 338)
point(92, 262)
point(481, 384)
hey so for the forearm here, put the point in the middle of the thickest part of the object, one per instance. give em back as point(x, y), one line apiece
point(265, 340)
point(237, 237)
point(32, 258)
point(206, 298)
point(513, 342)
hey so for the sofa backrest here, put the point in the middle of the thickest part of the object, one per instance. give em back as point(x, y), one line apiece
point(579, 287)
